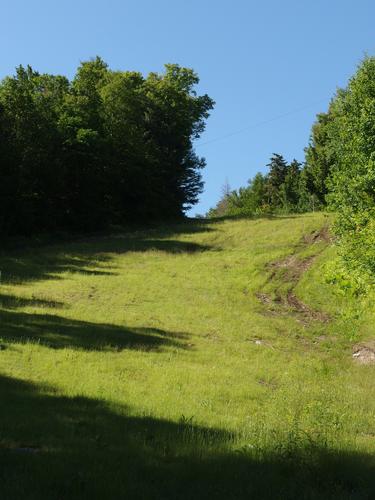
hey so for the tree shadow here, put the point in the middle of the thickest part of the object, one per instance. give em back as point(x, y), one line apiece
point(32, 259)
point(54, 447)
point(121, 244)
point(91, 256)
point(48, 263)
point(57, 333)
point(13, 302)
point(184, 226)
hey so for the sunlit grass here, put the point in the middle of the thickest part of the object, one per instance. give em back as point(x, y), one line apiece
point(150, 353)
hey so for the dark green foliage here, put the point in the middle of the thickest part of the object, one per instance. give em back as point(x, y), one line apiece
point(107, 147)
point(290, 188)
point(320, 156)
point(251, 199)
point(278, 169)
point(284, 189)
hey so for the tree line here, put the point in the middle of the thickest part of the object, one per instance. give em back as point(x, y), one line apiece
point(284, 189)
point(338, 174)
point(107, 147)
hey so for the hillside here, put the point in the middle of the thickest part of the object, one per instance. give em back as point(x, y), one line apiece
point(205, 360)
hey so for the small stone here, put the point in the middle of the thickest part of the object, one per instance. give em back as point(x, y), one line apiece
point(364, 353)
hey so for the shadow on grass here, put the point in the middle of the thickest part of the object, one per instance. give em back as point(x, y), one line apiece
point(137, 234)
point(31, 259)
point(91, 256)
point(13, 302)
point(57, 332)
point(54, 447)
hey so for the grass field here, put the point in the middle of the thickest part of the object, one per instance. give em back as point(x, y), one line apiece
point(205, 360)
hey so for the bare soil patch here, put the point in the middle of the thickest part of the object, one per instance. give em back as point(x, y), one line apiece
point(322, 235)
point(290, 270)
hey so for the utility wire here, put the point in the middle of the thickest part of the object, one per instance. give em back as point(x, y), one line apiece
point(255, 125)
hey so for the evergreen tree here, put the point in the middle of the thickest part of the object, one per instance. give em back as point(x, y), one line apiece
point(278, 169)
point(290, 189)
point(320, 155)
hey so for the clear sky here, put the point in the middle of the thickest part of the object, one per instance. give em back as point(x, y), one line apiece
point(270, 65)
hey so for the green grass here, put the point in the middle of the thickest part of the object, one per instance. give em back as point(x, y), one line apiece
point(144, 366)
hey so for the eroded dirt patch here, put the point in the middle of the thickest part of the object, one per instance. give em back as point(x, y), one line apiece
point(293, 267)
point(289, 271)
point(322, 235)
point(302, 308)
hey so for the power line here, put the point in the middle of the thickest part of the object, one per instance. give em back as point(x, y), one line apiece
point(255, 125)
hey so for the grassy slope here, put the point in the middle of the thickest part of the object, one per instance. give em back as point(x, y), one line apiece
point(145, 364)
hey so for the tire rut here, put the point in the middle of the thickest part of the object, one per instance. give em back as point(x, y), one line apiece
point(289, 270)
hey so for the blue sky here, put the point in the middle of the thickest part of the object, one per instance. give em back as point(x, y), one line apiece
point(269, 65)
